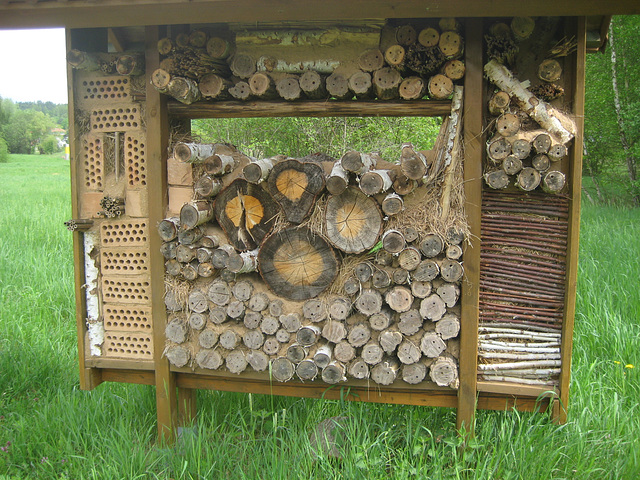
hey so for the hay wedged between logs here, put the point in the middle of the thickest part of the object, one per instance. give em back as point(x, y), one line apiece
point(180, 289)
point(346, 271)
point(425, 214)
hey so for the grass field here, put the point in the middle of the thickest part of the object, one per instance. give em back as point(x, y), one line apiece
point(50, 429)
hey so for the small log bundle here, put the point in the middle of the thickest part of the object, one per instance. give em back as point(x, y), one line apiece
point(404, 63)
point(318, 270)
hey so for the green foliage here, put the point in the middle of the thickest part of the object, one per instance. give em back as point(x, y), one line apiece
point(26, 129)
point(49, 145)
point(605, 159)
point(4, 151)
point(58, 112)
point(299, 136)
point(50, 429)
point(26, 125)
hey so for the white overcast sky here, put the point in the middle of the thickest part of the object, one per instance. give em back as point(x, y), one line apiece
point(33, 65)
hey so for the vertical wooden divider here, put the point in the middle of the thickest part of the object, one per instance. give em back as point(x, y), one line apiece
point(157, 123)
point(472, 117)
point(89, 377)
point(575, 188)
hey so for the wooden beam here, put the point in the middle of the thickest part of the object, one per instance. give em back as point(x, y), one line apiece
point(89, 377)
point(399, 395)
point(120, 13)
point(157, 122)
point(114, 39)
point(329, 108)
point(187, 406)
point(139, 377)
point(575, 186)
point(515, 389)
point(473, 117)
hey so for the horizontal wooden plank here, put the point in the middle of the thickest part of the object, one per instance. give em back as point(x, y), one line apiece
point(430, 397)
point(502, 403)
point(117, 13)
point(117, 363)
point(251, 376)
point(420, 108)
point(374, 393)
point(139, 377)
point(519, 390)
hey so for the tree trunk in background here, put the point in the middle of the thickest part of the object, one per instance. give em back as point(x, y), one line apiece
point(631, 161)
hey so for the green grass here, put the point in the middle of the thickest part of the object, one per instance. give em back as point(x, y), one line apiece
point(51, 429)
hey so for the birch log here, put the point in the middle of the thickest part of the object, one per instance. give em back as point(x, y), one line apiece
point(551, 119)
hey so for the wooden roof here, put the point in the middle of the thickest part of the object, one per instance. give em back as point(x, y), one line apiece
point(119, 13)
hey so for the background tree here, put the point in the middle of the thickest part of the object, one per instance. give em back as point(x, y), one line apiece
point(612, 125)
point(26, 129)
point(297, 137)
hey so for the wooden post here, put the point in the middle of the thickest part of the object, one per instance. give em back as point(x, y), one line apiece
point(187, 406)
point(157, 122)
point(575, 186)
point(89, 377)
point(473, 113)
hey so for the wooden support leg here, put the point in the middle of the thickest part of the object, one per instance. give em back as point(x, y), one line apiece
point(157, 122)
point(473, 108)
point(187, 406)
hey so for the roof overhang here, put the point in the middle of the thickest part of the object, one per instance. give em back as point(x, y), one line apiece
point(120, 13)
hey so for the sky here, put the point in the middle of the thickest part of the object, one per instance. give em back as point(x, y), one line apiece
point(33, 65)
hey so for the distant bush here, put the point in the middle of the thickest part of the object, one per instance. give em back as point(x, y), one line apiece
point(49, 145)
point(4, 151)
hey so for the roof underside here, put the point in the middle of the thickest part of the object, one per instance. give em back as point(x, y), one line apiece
point(118, 13)
point(132, 13)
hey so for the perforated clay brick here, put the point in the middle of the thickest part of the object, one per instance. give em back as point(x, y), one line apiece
point(128, 345)
point(126, 233)
point(132, 318)
point(129, 262)
point(134, 153)
point(108, 89)
point(115, 119)
point(126, 290)
point(93, 162)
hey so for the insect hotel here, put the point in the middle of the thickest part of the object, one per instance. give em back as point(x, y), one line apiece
point(437, 277)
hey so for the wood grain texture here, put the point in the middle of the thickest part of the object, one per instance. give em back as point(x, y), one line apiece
point(415, 108)
point(89, 377)
point(575, 186)
point(157, 122)
point(473, 127)
point(297, 264)
point(84, 14)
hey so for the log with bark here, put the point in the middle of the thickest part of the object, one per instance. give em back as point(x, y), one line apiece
point(295, 186)
point(246, 213)
point(289, 88)
point(549, 118)
point(444, 372)
point(297, 264)
point(386, 82)
point(313, 85)
point(353, 221)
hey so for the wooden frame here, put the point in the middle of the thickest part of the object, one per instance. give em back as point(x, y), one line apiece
point(175, 387)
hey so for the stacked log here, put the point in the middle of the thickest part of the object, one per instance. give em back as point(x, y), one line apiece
point(410, 63)
point(530, 136)
point(256, 264)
